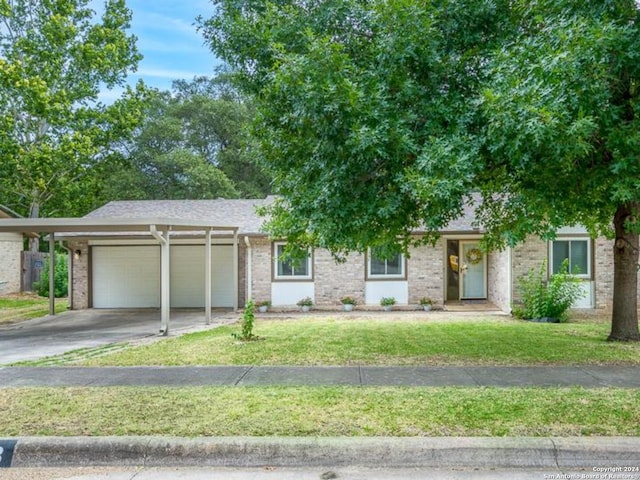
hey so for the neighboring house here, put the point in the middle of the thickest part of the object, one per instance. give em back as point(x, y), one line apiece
point(121, 270)
point(11, 246)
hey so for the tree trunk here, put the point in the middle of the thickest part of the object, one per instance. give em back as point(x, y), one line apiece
point(624, 320)
point(34, 212)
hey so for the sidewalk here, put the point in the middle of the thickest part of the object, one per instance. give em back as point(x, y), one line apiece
point(590, 376)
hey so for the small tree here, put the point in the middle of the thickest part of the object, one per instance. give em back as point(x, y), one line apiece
point(248, 317)
point(552, 298)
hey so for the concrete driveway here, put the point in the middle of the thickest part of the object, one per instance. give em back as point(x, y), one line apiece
point(54, 335)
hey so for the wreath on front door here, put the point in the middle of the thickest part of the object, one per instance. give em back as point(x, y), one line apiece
point(474, 256)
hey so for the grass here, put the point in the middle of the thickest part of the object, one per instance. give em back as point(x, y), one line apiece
point(16, 308)
point(317, 341)
point(319, 411)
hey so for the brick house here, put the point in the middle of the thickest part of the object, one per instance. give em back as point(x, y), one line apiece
point(122, 270)
point(11, 245)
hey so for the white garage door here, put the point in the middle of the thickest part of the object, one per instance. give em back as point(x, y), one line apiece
point(187, 276)
point(126, 277)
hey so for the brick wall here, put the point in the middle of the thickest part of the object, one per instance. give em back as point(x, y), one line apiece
point(526, 256)
point(425, 273)
point(242, 273)
point(80, 268)
point(10, 262)
point(336, 280)
point(261, 265)
point(603, 272)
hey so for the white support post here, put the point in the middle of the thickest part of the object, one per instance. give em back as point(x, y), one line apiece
point(207, 277)
point(165, 275)
point(52, 277)
point(235, 270)
point(165, 300)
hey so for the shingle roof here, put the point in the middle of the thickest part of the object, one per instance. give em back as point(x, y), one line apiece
point(223, 212)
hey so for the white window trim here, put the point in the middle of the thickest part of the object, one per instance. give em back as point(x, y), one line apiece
point(385, 276)
point(586, 275)
point(276, 260)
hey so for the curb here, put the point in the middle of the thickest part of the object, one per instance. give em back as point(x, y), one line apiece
point(388, 452)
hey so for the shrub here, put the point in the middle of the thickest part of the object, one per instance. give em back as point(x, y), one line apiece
point(305, 302)
point(348, 301)
point(387, 301)
point(426, 301)
point(60, 278)
point(548, 299)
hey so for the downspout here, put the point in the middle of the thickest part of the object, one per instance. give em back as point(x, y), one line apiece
point(249, 267)
point(70, 264)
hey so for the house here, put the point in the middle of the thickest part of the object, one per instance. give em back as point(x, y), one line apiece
point(11, 246)
point(120, 269)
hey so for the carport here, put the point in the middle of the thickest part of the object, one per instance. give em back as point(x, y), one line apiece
point(159, 229)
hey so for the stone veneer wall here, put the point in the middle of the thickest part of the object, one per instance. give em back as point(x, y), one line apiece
point(80, 268)
point(425, 273)
point(499, 288)
point(11, 246)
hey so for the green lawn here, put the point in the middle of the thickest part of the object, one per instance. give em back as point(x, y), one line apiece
point(383, 341)
point(319, 411)
point(24, 307)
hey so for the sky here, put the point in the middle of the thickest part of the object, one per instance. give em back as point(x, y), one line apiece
point(169, 42)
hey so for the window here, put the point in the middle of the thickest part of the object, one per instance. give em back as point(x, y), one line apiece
point(287, 269)
point(382, 268)
point(577, 251)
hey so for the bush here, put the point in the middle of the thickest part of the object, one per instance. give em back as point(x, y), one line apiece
point(548, 299)
point(60, 278)
point(387, 301)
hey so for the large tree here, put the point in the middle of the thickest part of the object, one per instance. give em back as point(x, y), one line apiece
point(192, 144)
point(56, 137)
point(377, 117)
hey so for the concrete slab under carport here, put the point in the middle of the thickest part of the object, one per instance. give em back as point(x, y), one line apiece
point(54, 335)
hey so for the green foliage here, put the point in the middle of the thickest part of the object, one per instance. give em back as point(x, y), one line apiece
point(176, 175)
point(426, 301)
point(193, 145)
point(379, 118)
point(549, 299)
point(348, 301)
point(60, 277)
point(387, 301)
point(56, 138)
point(305, 302)
point(248, 317)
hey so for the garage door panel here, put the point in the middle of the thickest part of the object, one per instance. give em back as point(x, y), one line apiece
point(187, 276)
point(126, 277)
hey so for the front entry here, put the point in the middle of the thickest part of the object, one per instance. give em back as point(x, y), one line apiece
point(466, 270)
